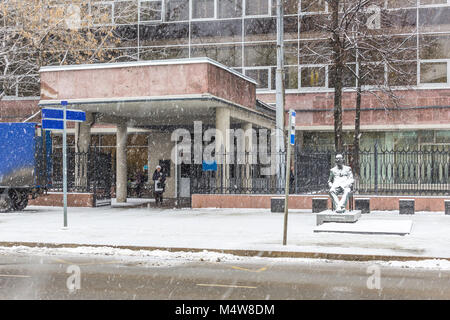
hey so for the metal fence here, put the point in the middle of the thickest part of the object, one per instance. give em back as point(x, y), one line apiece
point(240, 173)
point(89, 172)
point(398, 172)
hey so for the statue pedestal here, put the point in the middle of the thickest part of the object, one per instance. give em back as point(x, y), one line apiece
point(330, 216)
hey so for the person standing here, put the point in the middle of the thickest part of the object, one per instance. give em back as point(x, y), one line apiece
point(139, 184)
point(159, 179)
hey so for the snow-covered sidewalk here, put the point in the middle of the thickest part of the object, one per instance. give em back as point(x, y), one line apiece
point(243, 229)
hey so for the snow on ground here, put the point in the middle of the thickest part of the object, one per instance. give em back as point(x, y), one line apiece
point(164, 258)
point(252, 229)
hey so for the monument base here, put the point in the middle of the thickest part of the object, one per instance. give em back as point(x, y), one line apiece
point(372, 227)
point(331, 216)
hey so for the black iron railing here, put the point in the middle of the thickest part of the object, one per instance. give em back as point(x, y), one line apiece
point(425, 171)
point(86, 172)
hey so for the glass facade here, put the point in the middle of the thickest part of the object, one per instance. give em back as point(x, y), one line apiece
point(389, 140)
point(242, 35)
point(137, 149)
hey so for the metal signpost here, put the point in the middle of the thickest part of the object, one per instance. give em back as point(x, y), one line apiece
point(56, 119)
point(290, 143)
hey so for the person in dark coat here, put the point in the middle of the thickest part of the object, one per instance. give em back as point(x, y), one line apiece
point(139, 183)
point(160, 183)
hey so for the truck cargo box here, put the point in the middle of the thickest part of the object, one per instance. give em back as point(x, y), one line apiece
point(24, 155)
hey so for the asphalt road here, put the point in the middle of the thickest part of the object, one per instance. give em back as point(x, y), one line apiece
point(109, 277)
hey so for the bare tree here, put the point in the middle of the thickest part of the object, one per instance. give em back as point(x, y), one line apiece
point(381, 60)
point(359, 43)
point(36, 33)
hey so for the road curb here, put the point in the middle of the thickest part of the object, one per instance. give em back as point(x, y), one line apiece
point(237, 252)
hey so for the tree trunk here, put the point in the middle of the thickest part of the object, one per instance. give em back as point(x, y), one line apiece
point(356, 169)
point(338, 60)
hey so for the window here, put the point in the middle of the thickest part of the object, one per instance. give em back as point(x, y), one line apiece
point(290, 78)
point(229, 55)
point(290, 53)
point(290, 28)
point(260, 29)
point(435, 72)
point(435, 47)
point(312, 77)
point(261, 76)
point(290, 7)
point(177, 10)
point(348, 76)
point(313, 6)
point(102, 13)
point(372, 74)
point(399, 21)
point(443, 136)
point(127, 35)
point(434, 19)
point(125, 12)
point(140, 140)
point(216, 31)
point(315, 52)
point(162, 53)
point(203, 9)
point(400, 3)
point(264, 54)
point(123, 55)
point(162, 34)
point(402, 48)
point(256, 7)
point(150, 11)
point(425, 2)
point(311, 26)
point(402, 74)
point(229, 8)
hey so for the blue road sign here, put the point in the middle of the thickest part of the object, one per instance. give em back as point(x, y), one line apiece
point(71, 115)
point(209, 166)
point(52, 124)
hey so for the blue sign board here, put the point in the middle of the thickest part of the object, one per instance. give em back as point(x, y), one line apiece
point(52, 124)
point(71, 115)
point(209, 166)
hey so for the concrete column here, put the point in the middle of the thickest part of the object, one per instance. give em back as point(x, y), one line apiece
point(82, 144)
point(223, 144)
point(222, 125)
point(248, 134)
point(121, 163)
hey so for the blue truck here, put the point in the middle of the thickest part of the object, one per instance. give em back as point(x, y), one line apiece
point(25, 164)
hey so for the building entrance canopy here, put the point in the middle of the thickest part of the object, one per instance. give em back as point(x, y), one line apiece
point(156, 95)
point(153, 93)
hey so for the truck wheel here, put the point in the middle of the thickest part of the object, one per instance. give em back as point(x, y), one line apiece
point(19, 200)
point(6, 203)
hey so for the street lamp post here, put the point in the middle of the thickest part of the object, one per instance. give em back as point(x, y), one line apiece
point(279, 84)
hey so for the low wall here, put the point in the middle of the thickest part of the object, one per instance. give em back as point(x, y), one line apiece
point(423, 203)
point(55, 199)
